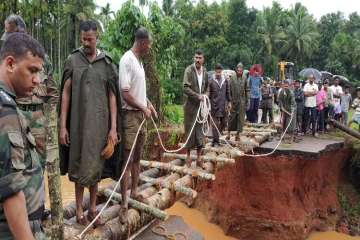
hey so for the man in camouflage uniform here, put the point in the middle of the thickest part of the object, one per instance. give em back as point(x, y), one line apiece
point(21, 176)
point(45, 92)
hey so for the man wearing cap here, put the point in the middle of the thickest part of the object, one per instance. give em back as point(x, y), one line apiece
point(239, 98)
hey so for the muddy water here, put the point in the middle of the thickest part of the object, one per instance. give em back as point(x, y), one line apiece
point(331, 236)
point(68, 189)
point(198, 221)
point(192, 217)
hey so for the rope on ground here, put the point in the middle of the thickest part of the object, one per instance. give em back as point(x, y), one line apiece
point(116, 185)
point(265, 154)
point(202, 117)
point(162, 231)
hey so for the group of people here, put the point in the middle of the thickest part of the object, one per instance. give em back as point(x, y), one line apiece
point(305, 106)
point(99, 104)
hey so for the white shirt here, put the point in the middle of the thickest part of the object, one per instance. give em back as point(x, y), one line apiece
point(199, 77)
point(132, 79)
point(336, 90)
point(221, 82)
point(312, 88)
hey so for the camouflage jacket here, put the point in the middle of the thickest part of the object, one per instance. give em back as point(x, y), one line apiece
point(46, 91)
point(20, 168)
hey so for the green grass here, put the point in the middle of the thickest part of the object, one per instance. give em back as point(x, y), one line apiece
point(174, 114)
point(350, 210)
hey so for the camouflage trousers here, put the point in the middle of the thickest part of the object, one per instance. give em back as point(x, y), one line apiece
point(37, 230)
point(35, 227)
point(38, 128)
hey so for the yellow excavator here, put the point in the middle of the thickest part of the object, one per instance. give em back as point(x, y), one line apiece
point(285, 71)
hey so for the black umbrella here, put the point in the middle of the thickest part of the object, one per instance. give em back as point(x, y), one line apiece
point(343, 80)
point(310, 71)
point(326, 75)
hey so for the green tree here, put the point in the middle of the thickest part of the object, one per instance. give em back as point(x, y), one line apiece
point(329, 25)
point(244, 44)
point(302, 35)
point(168, 7)
point(106, 14)
point(271, 34)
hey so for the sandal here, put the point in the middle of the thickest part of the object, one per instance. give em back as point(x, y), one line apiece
point(91, 216)
point(82, 220)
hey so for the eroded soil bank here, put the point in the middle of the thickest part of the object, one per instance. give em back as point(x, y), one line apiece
point(278, 197)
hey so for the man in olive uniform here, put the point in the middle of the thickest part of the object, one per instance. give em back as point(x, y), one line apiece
point(195, 86)
point(266, 103)
point(88, 117)
point(21, 176)
point(239, 98)
point(44, 93)
point(287, 105)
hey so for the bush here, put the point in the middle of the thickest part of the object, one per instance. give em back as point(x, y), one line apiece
point(173, 114)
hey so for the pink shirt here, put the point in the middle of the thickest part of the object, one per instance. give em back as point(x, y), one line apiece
point(320, 99)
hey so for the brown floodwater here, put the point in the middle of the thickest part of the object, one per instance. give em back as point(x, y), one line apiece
point(192, 217)
point(68, 189)
point(198, 222)
point(331, 236)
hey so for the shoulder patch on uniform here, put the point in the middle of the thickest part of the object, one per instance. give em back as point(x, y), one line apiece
point(108, 59)
point(6, 100)
point(76, 50)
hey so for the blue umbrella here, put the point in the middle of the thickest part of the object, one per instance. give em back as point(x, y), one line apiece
point(310, 71)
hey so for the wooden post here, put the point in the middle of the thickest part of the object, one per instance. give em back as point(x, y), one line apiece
point(179, 169)
point(54, 183)
point(139, 205)
point(204, 158)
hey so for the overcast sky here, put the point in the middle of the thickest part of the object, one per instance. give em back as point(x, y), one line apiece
point(315, 7)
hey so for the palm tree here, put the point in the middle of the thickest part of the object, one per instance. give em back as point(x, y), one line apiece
point(77, 12)
point(168, 7)
point(302, 35)
point(106, 13)
point(271, 33)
